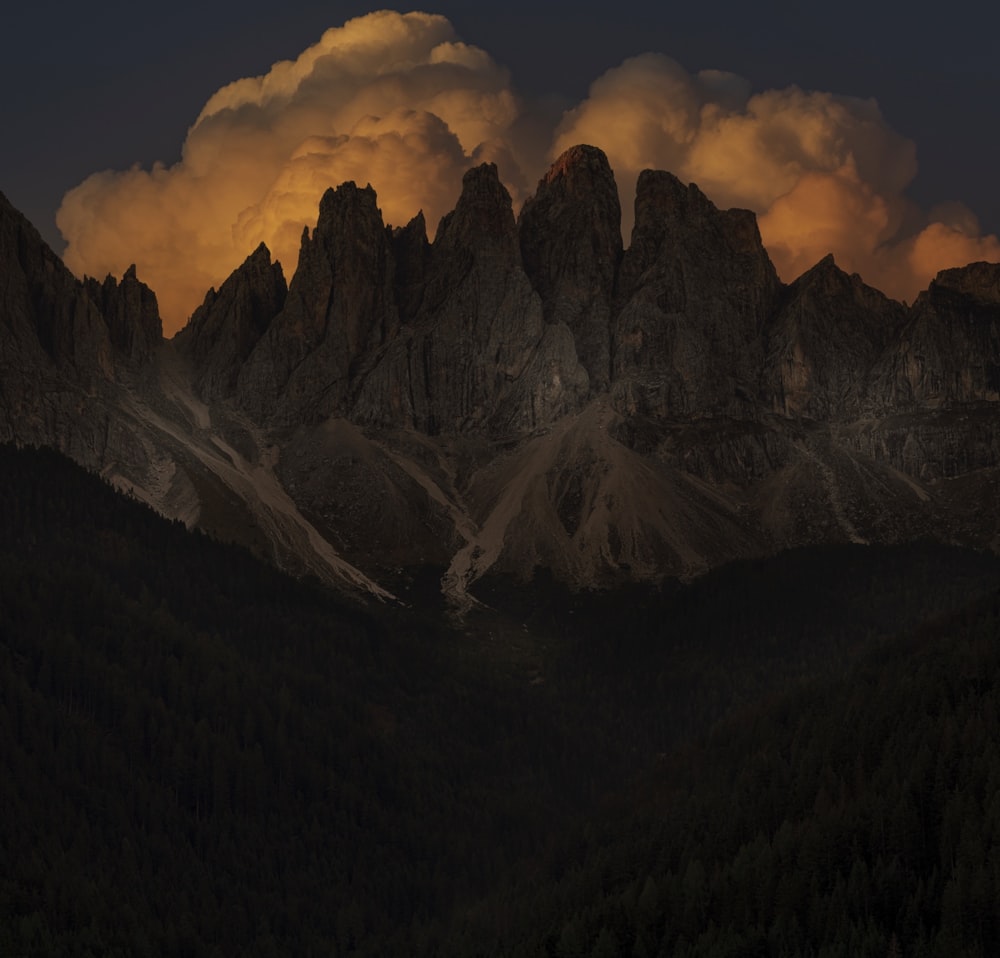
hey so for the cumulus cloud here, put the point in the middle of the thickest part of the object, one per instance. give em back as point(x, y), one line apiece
point(399, 101)
point(413, 158)
point(824, 173)
point(394, 100)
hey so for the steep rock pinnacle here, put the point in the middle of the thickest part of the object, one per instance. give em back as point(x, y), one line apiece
point(949, 350)
point(821, 346)
point(412, 254)
point(466, 359)
point(694, 292)
point(340, 305)
point(47, 319)
point(131, 313)
point(224, 330)
point(570, 237)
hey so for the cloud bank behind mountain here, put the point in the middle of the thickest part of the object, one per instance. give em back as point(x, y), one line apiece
point(400, 102)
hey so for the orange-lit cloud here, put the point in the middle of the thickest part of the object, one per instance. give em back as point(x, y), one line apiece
point(824, 173)
point(389, 99)
point(414, 160)
point(400, 102)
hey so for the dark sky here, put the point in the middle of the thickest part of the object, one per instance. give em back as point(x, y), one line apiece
point(90, 87)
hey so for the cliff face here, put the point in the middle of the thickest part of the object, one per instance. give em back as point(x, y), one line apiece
point(224, 330)
point(48, 321)
point(131, 314)
point(695, 291)
point(522, 393)
point(476, 355)
point(340, 305)
point(823, 343)
point(66, 347)
point(571, 247)
point(949, 350)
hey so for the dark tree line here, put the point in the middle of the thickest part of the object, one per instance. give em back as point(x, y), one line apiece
point(853, 816)
point(199, 756)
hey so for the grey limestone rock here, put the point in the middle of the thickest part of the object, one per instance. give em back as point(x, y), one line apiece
point(570, 235)
point(224, 330)
point(47, 318)
point(521, 393)
point(824, 341)
point(695, 291)
point(64, 360)
point(477, 354)
point(131, 313)
point(949, 349)
point(340, 305)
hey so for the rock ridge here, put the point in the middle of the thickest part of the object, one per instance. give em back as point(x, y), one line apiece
point(521, 391)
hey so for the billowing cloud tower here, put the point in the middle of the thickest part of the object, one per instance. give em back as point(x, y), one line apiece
point(398, 101)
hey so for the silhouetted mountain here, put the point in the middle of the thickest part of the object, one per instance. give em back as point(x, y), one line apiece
point(522, 394)
point(571, 247)
point(224, 330)
point(823, 370)
point(725, 679)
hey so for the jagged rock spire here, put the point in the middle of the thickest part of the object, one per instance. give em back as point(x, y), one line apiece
point(570, 236)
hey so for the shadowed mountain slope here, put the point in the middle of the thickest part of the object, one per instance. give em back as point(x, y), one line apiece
point(522, 393)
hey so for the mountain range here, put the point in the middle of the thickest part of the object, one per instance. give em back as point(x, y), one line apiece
point(520, 393)
point(788, 754)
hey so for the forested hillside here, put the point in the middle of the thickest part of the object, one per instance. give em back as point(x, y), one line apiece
point(199, 756)
point(852, 817)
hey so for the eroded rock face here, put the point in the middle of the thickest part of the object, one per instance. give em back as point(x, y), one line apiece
point(477, 354)
point(131, 313)
point(47, 319)
point(340, 306)
point(65, 345)
point(483, 319)
point(70, 352)
point(932, 443)
point(695, 291)
point(521, 394)
point(949, 349)
point(824, 341)
point(412, 252)
point(224, 330)
point(570, 236)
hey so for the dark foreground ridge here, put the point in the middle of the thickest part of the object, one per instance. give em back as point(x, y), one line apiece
point(202, 757)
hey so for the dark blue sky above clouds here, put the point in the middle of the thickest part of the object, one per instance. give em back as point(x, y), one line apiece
point(106, 86)
point(90, 86)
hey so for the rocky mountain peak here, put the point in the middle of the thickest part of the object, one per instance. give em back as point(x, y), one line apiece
point(412, 253)
point(483, 218)
point(570, 238)
point(131, 313)
point(47, 318)
point(827, 262)
point(661, 197)
point(694, 293)
point(224, 330)
point(344, 208)
point(669, 212)
point(474, 352)
point(581, 163)
point(977, 281)
point(349, 249)
point(413, 234)
point(824, 341)
point(827, 279)
point(949, 350)
point(522, 394)
point(340, 305)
